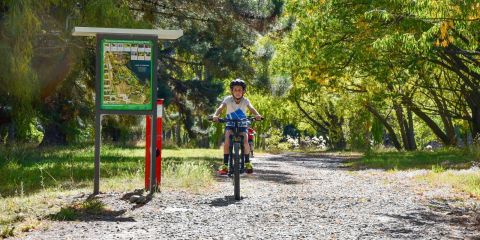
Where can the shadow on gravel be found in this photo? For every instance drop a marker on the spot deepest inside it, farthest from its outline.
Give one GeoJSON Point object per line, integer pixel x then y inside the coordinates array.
{"type": "Point", "coordinates": [319, 161]}
{"type": "Point", "coordinates": [441, 213]}
{"type": "Point", "coordinates": [223, 202]}
{"type": "Point", "coordinates": [79, 212]}
{"type": "Point", "coordinates": [274, 176]}
{"type": "Point", "coordinates": [266, 175]}
{"type": "Point", "coordinates": [406, 226]}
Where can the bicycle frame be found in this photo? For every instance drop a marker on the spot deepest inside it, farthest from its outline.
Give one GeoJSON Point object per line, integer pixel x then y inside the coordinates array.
{"type": "Point", "coordinates": [236, 138]}
{"type": "Point", "coordinates": [236, 156]}
{"type": "Point", "coordinates": [236, 152]}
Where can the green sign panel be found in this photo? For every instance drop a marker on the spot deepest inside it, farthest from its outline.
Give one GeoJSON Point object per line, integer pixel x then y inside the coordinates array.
{"type": "Point", "coordinates": [126, 74]}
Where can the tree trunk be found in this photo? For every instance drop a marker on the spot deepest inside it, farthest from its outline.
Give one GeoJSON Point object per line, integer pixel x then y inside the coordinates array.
{"type": "Point", "coordinates": [406, 127]}
{"type": "Point", "coordinates": [473, 101]}
{"type": "Point", "coordinates": [476, 122]}
{"type": "Point", "coordinates": [385, 123]}
{"type": "Point", "coordinates": [410, 131]}
{"type": "Point", "coordinates": [470, 79]}
{"type": "Point", "coordinates": [401, 124]}
{"type": "Point", "coordinates": [178, 138]}
{"type": "Point", "coordinates": [447, 121]}
{"type": "Point", "coordinates": [443, 112]}
{"type": "Point", "coordinates": [336, 131]}
{"type": "Point", "coordinates": [430, 123]}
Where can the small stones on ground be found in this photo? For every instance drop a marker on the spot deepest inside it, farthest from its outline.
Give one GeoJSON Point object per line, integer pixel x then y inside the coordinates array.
{"type": "Point", "coordinates": [134, 198]}
{"type": "Point", "coordinates": [281, 201]}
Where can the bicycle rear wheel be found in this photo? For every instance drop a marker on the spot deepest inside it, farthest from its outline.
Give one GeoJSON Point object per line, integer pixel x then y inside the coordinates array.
{"type": "Point", "coordinates": [236, 170]}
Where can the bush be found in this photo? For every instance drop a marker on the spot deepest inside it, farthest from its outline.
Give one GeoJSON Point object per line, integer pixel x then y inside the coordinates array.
{"type": "Point", "coordinates": [276, 142]}
{"type": "Point", "coordinates": [273, 141]}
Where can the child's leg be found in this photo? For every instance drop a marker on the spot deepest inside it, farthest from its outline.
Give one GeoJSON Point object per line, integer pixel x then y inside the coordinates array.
{"type": "Point", "coordinates": [246, 147]}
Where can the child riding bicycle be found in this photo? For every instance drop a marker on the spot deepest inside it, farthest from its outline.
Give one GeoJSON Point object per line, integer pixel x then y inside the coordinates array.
{"type": "Point", "coordinates": [236, 106]}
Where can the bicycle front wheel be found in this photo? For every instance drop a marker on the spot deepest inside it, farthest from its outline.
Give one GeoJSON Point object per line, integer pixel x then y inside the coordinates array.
{"type": "Point", "coordinates": [236, 170]}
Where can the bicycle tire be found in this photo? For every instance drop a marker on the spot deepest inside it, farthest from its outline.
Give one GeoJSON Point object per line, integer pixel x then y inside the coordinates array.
{"type": "Point", "coordinates": [236, 171]}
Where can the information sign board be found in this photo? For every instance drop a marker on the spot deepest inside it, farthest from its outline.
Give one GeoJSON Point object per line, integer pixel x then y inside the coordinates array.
{"type": "Point", "coordinates": [126, 74]}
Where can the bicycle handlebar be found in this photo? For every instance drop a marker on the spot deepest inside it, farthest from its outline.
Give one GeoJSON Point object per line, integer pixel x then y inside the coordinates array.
{"type": "Point", "coordinates": [224, 120]}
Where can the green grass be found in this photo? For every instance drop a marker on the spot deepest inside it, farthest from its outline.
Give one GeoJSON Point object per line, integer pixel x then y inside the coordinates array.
{"type": "Point", "coordinates": [467, 182]}
{"type": "Point", "coordinates": [34, 183]}
{"type": "Point", "coordinates": [444, 165]}
{"type": "Point", "coordinates": [76, 210]}
{"type": "Point", "coordinates": [437, 160]}
{"type": "Point", "coordinates": [6, 232]}
{"type": "Point", "coordinates": [30, 171]}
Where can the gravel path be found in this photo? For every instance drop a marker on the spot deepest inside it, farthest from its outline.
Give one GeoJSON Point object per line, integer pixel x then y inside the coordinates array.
{"type": "Point", "coordinates": [288, 197]}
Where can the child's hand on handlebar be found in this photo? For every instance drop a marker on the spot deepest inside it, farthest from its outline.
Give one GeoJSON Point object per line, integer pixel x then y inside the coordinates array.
{"type": "Point", "coordinates": [258, 117]}
{"type": "Point", "coordinates": [215, 118]}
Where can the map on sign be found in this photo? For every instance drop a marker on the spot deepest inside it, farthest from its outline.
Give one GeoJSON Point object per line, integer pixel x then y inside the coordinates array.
{"type": "Point", "coordinates": [126, 82]}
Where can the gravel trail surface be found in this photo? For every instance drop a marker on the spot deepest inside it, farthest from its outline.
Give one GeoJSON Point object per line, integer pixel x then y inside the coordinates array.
{"type": "Point", "coordinates": [291, 196]}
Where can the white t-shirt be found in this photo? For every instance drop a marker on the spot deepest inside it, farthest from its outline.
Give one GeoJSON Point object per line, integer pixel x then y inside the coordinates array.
{"type": "Point", "coordinates": [236, 111]}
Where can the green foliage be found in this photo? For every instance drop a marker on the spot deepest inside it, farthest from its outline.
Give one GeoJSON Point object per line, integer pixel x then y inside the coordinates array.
{"type": "Point", "coordinates": [111, 13]}
{"type": "Point", "coordinates": [275, 142]}
{"type": "Point", "coordinates": [18, 81]}
{"type": "Point", "coordinates": [123, 129]}
{"type": "Point", "coordinates": [215, 47]}
{"type": "Point", "coordinates": [359, 131]}
{"type": "Point", "coordinates": [438, 168]}
{"type": "Point", "coordinates": [377, 131]}
{"type": "Point", "coordinates": [382, 55]}
{"type": "Point", "coordinates": [323, 62]}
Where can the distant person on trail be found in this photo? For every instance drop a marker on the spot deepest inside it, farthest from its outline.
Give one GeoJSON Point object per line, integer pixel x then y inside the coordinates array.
{"type": "Point", "coordinates": [236, 106]}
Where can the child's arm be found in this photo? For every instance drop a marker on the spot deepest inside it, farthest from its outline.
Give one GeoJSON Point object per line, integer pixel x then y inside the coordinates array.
{"type": "Point", "coordinates": [254, 111]}
{"type": "Point", "coordinates": [218, 111]}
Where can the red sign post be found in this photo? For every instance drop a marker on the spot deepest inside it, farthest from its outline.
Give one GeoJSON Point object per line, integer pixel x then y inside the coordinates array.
{"type": "Point", "coordinates": [158, 165]}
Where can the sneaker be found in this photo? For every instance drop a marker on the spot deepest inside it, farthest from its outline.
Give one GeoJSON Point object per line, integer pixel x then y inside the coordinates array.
{"type": "Point", "coordinates": [248, 167]}
{"type": "Point", "coordinates": [223, 170]}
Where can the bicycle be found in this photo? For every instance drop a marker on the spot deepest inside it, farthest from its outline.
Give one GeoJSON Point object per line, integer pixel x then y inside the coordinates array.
{"type": "Point", "coordinates": [236, 161]}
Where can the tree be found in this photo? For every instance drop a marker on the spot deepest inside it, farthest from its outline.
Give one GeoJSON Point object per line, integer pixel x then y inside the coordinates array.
{"type": "Point", "coordinates": [380, 51]}
{"type": "Point", "coordinates": [217, 38]}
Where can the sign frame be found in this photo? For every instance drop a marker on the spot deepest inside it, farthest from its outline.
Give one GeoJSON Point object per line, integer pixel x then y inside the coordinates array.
{"type": "Point", "coordinates": [99, 111]}
{"type": "Point", "coordinates": [125, 34]}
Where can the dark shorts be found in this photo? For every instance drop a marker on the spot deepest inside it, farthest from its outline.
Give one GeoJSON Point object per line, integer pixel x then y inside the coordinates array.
{"type": "Point", "coordinates": [242, 129]}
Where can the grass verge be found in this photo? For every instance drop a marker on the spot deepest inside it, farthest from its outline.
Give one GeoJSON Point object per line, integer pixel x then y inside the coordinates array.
{"type": "Point", "coordinates": [444, 158]}
{"type": "Point", "coordinates": [448, 167]}
{"type": "Point", "coordinates": [463, 181]}
{"type": "Point", "coordinates": [38, 184]}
